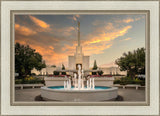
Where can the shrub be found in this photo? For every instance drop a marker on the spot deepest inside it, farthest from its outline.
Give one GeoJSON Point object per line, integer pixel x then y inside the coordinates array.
{"type": "Point", "coordinates": [29, 80]}
{"type": "Point", "coordinates": [18, 81]}
{"type": "Point", "coordinates": [55, 72]}
{"type": "Point", "coordinates": [123, 82]}
{"type": "Point", "coordinates": [94, 73]}
{"type": "Point", "coordinates": [129, 80]}
{"type": "Point", "coordinates": [117, 81]}
{"type": "Point", "coordinates": [63, 73]}
{"type": "Point", "coordinates": [142, 83]}
{"type": "Point", "coordinates": [100, 72]}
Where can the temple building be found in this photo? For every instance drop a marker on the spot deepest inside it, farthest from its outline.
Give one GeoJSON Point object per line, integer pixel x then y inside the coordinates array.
{"type": "Point", "coordinates": [78, 58]}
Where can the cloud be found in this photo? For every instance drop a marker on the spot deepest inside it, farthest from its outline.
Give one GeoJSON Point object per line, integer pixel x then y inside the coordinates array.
{"type": "Point", "coordinates": [98, 41]}
{"type": "Point", "coordinates": [24, 30]}
{"type": "Point", "coordinates": [105, 36]}
{"type": "Point", "coordinates": [51, 47]}
{"type": "Point", "coordinates": [57, 44]}
{"type": "Point", "coordinates": [96, 49]}
{"type": "Point", "coordinates": [97, 22]}
{"type": "Point", "coordinates": [39, 22]}
{"type": "Point", "coordinates": [128, 20]}
{"type": "Point", "coordinates": [139, 18]}
{"type": "Point", "coordinates": [48, 53]}
{"type": "Point", "coordinates": [65, 31]}
{"type": "Point", "coordinates": [127, 39]}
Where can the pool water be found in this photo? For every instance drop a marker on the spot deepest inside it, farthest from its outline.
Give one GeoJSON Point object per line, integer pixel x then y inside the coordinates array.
{"type": "Point", "coordinates": [62, 87]}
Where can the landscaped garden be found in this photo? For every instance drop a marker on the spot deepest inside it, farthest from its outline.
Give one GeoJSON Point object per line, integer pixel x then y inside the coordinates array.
{"type": "Point", "coordinates": [129, 80]}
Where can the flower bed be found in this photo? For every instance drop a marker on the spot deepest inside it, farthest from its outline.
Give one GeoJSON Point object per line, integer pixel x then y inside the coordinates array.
{"type": "Point", "coordinates": [29, 80]}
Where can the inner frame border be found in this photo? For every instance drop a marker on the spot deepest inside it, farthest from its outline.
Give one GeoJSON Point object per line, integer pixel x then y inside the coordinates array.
{"type": "Point", "coordinates": [86, 12]}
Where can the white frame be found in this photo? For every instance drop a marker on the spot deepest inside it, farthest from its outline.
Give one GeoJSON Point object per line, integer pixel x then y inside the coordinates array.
{"type": "Point", "coordinates": [152, 6]}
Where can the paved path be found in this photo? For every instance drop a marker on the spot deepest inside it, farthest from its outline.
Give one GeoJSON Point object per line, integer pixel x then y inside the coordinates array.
{"type": "Point", "coordinates": [129, 94]}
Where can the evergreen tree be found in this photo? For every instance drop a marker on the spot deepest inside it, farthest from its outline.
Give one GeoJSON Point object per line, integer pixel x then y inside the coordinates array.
{"type": "Point", "coordinates": [63, 68]}
{"type": "Point", "coordinates": [94, 67]}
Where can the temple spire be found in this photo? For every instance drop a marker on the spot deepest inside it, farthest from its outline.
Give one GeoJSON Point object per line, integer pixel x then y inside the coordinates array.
{"type": "Point", "coordinates": [78, 33]}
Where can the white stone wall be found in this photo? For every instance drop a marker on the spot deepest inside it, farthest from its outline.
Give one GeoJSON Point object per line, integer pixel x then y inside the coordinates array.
{"type": "Point", "coordinates": [71, 62]}
{"type": "Point", "coordinates": [85, 64]}
{"type": "Point", "coordinates": [48, 70]}
{"type": "Point", "coordinates": [35, 71]}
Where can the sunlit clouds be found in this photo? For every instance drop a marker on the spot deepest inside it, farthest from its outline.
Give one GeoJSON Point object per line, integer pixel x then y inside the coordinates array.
{"type": "Point", "coordinates": [55, 36]}
{"type": "Point", "coordinates": [129, 19]}
{"type": "Point", "coordinates": [127, 39]}
{"type": "Point", "coordinates": [24, 30]}
{"type": "Point", "coordinates": [39, 22]}
{"type": "Point", "coordinates": [110, 36]}
{"type": "Point", "coordinates": [66, 31]}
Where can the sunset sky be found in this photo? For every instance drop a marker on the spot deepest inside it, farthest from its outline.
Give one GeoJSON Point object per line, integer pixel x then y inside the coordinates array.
{"type": "Point", "coordinates": [104, 37]}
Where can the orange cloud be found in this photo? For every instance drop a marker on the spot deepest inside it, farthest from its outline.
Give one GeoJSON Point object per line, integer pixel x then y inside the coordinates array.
{"type": "Point", "coordinates": [128, 20]}
{"type": "Point", "coordinates": [51, 47]}
{"type": "Point", "coordinates": [66, 31]}
{"type": "Point", "coordinates": [48, 53]}
{"type": "Point", "coordinates": [24, 30]}
{"type": "Point", "coordinates": [39, 22]}
{"type": "Point", "coordinates": [95, 49]}
{"type": "Point", "coordinates": [127, 39]}
{"type": "Point", "coordinates": [21, 42]}
{"type": "Point", "coordinates": [109, 36]}
{"type": "Point", "coordinates": [96, 42]}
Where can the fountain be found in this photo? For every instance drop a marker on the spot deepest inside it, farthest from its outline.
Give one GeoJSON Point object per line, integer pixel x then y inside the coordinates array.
{"type": "Point", "coordinates": [79, 91]}
{"type": "Point", "coordinates": [79, 84]}
{"type": "Point", "coordinates": [78, 88]}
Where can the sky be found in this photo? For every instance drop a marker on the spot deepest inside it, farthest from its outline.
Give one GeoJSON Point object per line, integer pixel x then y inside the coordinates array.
{"type": "Point", "coordinates": [103, 37]}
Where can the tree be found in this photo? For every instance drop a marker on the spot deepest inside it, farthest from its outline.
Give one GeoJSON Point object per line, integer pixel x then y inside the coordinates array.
{"type": "Point", "coordinates": [63, 68]}
{"type": "Point", "coordinates": [132, 62]}
{"type": "Point", "coordinates": [26, 59]}
{"type": "Point", "coordinates": [94, 67]}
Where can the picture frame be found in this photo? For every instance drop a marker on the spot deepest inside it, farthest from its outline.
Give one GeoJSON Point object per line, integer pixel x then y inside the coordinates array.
{"type": "Point", "coordinates": [10, 107]}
